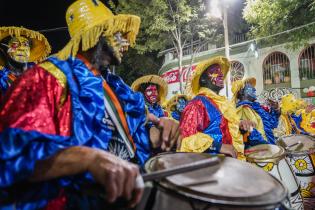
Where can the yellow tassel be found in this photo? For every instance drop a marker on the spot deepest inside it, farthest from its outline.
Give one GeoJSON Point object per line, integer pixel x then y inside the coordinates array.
{"type": "Point", "coordinates": [128, 25]}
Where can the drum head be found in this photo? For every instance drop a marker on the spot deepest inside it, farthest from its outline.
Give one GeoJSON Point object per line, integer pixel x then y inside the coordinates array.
{"type": "Point", "coordinates": [232, 182]}
{"type": "Point", "coordinates": [265, 152]}
{"type": "Point", "coordinates": [297, 143]}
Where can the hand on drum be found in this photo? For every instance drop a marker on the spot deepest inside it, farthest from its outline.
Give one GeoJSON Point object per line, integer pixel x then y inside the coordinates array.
{"type": "Point", "coordinates": [247, 125]}
{"type": "Point", "coordinates": [165, 133]}
{"type": "Point", "coordinates": [117, 176]}
{"type": "Point", "coordinates": [229, 150]}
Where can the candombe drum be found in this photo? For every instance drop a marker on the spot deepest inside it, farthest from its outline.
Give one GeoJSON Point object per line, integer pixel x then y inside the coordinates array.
{"type": "Point", "coordinates": [232, 184]}
{"type": "Point", "coordinates": [272, 159]}
{"type": "Point", "coordinates": [300, 151]}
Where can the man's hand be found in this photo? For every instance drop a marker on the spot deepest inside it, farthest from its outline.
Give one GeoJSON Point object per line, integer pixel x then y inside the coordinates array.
{"type": "Point", "coordinates": [117, 176]}
{"type": "Point", "coordinates": [247, 125]}
{"type": "Point", "coordinates": [229, 150]}
{"type": "Point", "coordinates": [165, 133]}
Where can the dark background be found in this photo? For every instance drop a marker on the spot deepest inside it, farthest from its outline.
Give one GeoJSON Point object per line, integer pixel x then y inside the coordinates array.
{"type": "Point", "coordinates": [39, 15]}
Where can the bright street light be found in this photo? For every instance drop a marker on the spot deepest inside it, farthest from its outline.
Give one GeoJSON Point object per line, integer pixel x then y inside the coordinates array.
{"type": "Point", "coordinates": [215, 9]}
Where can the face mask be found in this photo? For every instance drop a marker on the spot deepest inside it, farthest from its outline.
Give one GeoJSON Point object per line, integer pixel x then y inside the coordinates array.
{"type": "Point", "coordinates": [215, 75]}
{"type": "Point", "coordinates": [250, 92]}
{"type": "Point", "coordinates": [119, 45]}
{"type": "Point", "coordinates": [181, 104]}
{"type": "Point", "coordinates": [151, 94]}
{"type": "Point", "coordinates": [19, 49]}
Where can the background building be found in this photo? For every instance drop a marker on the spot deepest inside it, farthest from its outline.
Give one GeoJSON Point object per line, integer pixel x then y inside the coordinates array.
{"type": "Point", "coordinates": [274, 66]}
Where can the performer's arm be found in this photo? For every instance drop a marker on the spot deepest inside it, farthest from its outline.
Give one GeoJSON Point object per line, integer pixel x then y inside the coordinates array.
{"type": "Point", "coordinates": [114, 174]}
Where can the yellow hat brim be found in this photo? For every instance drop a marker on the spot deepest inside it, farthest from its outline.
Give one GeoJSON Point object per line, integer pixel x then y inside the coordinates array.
{"type": "Point", "coordinates": [40, 47]}
{"type": "Point", "coordinates": [128, 25]}
{"type": "Point", "coordinates": [154, 79]}
{"type": "Point", "coordinates": [201, 67]}
{"type": "Point", "coordinates": [173, 101]}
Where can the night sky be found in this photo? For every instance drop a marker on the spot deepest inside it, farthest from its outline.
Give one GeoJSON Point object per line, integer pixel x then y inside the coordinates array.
{"type": "Point", "coordinates": [47, 14]}
{"type": "Point", "coordinates": [38, 15]}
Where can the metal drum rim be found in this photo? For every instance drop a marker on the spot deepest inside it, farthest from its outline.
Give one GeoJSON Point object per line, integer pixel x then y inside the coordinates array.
{"type": "Point", "coordinates": [217, 201]}
{"type": "Point", "coordinates": [296, 153]}
{"type": "Point", "coordinates": [275, 159]}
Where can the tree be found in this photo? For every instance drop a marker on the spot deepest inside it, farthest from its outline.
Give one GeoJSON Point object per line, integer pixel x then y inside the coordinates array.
{"type": "Point", "coordinates": [171, 23]}
{"type": "Point", "coordinates": [135, 65]}
{"type": "Point", "coordinates": [269, 17]}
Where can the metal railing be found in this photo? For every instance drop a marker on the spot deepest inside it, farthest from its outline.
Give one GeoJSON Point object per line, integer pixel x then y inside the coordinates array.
{"type": "Point", "coordinates": [307, 63]}
{"type": "Point", "coordinates": [276, 69]}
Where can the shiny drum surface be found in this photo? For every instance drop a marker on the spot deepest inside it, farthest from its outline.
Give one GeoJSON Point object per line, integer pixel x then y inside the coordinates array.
{"type": "Point", "coordinates": [232, 184]}
{"type": "Point", "coordinates": [300, 153]}
{"type": "Point", "coordinates": [272, 159]}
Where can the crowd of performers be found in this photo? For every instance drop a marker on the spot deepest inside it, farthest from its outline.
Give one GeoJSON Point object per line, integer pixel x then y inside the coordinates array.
{"type": "Point", "coordinates": [66, 120]}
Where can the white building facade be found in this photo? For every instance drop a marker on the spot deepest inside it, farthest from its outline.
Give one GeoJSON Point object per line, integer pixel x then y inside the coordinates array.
{"type": "Point", "coordinates": [275, 66]}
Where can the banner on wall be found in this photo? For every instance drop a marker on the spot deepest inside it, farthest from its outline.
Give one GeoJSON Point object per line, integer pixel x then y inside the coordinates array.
{"type": "Point", "coordinates": [172, 76]}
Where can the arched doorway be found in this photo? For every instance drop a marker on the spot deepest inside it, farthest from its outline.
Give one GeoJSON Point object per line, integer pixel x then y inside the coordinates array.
{"type": "Point", "coordinates": [276, 70]}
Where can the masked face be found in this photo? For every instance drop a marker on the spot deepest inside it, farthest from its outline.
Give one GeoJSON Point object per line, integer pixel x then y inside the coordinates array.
{"type": "Point", "coordinates": [215, 75]}
{"type": "Point", "coordinates": [151, 94]}
{"type": "Point", "coordinates": [181, 104]}
{"type": "Point", "coordinates": [250, 92]}
{"type": "Point", "coordinates": [119, 45]}
{"type": "Point", "coordinates": [19, 49]}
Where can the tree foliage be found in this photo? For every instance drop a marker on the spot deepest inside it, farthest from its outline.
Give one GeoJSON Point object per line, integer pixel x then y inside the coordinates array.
{"type": "Point", "coordinates": [269, 17]}
{"type": "Point", "coordinates": [135, 65]}
{"type": "Point", "coordinates": [171, 24]}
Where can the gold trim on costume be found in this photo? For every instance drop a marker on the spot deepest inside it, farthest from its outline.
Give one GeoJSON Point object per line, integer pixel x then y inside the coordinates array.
{"type": "Point", "coordinates": [198, 142]}
{"type": "Point", "coordinates": [60, 76]}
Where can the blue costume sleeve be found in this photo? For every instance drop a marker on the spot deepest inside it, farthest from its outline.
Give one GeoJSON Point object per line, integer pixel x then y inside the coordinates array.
{"type": "Point", "coordinates": [19, 151]}
{"type": "Point", "coordinates": [298, 119]}
{"type": "Point", "coordinates": [157, 111]}
{"type": "Point", "coordinates": [135, 114]}
{"type": "Point", "coordinates": [175, 115]}
{"type": "Point", "coordinates": [274, 118]}
{"type": "Point", "coordinates": [214, 129]}
{"type": "Point", "coordinates": [255, 138]}
{"type": "Point", "coordinates": [4, 79]}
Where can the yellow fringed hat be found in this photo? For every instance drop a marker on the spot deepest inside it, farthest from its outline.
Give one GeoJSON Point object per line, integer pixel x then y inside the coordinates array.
{"type": "Point", "coordinates": [40, 47]}
{"type": "Point", "coordinates": [154, 79]}
{"type": "Point", "coordinates": [173, 101]}
{"type": "Point", "coordinates": [194, 87]}
{"type": "Point", "coordinates": [87, 20]}
{"type": "Point", "coordinates": [240, 84]}
{"type": "Point", "coordinates": [288, 104]}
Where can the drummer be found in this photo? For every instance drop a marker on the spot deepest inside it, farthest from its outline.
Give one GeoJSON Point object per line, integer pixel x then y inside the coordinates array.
{"type": "Point", "coordinates": [290, 119]}
{"type": "Point", "coordinates": [244, 96]}
{"type": "Point", "coordinates": [307, 114]}
{"type": "Point", "coordinates": [209, 122]}
{"type": "Point", "coordinates": [154, 89]}
{"type": "Point", "coordinates": [176, 105]}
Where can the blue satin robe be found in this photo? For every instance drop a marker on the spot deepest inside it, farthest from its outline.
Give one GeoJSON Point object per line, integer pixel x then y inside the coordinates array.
{"type": "Point", "coordinates": [20, 150]}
